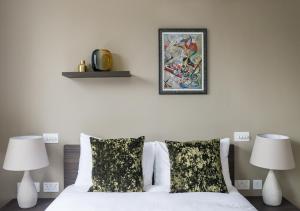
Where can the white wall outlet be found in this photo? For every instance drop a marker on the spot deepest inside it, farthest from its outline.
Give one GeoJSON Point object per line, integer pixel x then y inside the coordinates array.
{"type": "Point", "coordinates": [51, 187]}
{"type": "Point", "coordinates": [242, 184]}
{"type": "Point", "coordinates": [50, 138]}
{"type": "Point", "coordinates": [257, 184]}
{"type": "Point", "coordinates": [37, 186]}
{"type": "Point", "coordinates": [241, 136]}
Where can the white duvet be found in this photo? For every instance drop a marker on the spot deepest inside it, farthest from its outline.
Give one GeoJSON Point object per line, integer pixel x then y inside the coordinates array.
{"type": "Point", "coordinates": [77, 199]}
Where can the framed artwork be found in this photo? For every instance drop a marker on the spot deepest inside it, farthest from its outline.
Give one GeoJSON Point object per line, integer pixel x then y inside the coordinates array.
{"type": "Point", "coordinates": [182, 61]}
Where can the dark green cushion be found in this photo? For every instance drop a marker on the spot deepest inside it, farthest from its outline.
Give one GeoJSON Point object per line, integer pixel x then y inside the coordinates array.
{"type": "Point", "coordinates": [196, 166]}
{"type": "Point", "coordinates": [117, 165]}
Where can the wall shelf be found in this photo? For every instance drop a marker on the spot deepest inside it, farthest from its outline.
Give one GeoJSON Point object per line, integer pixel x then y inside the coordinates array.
{"type": "Point", "coordinates": [103, 74]}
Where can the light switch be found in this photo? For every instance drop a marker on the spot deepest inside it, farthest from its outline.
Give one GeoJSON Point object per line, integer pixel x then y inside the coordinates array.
{"type": "Point", "coordinates": [50, 138]}
{"type": "Point", "coordinates": [241, 136]}
{"type": "Point", "coordinates": [257, 184]}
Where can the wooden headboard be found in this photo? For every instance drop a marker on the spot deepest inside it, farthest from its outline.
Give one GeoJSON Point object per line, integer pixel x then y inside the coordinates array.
{"type": "Point", "coordinates": [71, 161]}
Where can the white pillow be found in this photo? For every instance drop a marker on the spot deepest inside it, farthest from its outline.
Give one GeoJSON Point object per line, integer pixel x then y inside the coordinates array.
{"type": "Point", "coordinates": [148, 164]}
{"type": "Point", "coordinates": [84, 177]}
{"type": "Point", "coordinates": [162, 171]}
{"type": "Point", "coordinates": [224, 148]}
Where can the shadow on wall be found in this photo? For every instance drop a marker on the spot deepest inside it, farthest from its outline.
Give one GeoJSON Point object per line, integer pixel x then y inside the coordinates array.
{"type": "Point", "coordinates": [243, 152]}
{"type": "Point", "coordinates": [118, 62]}
{"type": "Point", "coordinates": [287, 178]}
{"type": "Point", "coordinates": [126, 82]}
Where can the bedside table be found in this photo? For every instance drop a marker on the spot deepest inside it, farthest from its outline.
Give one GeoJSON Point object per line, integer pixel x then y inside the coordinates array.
{"type": "Point", "coordinates": [258, 203]}
{"type": "Point", "coordinates": [41, 205]}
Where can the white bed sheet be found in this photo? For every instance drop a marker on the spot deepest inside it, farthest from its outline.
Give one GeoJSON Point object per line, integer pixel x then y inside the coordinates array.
{"type": "Point", "coordinates": [76, 198]}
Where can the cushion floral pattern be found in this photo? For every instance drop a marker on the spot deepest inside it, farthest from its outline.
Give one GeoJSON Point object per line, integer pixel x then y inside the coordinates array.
{"type": "Point", "coordinates": [117, 164]}
{"type": "Point", "coordinates": [196, 166]}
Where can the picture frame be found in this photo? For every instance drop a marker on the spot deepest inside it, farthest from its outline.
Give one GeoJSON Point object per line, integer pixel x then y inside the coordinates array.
{"type": "Point", "coordinates": [182, 61]}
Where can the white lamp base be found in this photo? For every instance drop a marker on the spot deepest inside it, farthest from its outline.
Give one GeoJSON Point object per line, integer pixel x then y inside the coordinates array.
{"type": "Point", "coordinates": [271, 192]}
{"type": "Point", "coordinates": [27, 195]}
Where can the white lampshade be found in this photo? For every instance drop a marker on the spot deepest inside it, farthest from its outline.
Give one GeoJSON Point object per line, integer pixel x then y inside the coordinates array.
{"type": "Point", "coordinates": [272, 151]}
{"type": "Point", "coordinates": [25, 153]}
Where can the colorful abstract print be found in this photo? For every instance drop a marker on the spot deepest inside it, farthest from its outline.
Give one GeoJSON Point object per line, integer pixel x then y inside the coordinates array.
{"type": "Point", "coordinates": [182, 61]}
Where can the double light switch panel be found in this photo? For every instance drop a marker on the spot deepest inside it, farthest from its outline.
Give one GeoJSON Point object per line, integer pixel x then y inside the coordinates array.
{"type": "Point", "coordinates": [50, 138]}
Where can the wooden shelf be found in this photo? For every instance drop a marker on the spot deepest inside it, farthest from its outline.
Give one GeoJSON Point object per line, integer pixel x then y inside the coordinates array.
{"type": "Point", "coordinates": [103, 74]}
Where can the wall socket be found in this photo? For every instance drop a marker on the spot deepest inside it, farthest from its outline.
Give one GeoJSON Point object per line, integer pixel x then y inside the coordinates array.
{"type": "Point", "coordinates": [257, 184]}
{"type": "Point", "coordinates": [242, 184]}
{"type": "Point", "coordinates": [51, 187]}
{"type": "Point", "coordinates": [37, 186]}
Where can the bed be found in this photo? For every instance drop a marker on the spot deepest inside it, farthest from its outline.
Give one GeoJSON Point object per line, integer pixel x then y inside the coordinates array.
{"type": "Point", "coordinates": [78, 199]}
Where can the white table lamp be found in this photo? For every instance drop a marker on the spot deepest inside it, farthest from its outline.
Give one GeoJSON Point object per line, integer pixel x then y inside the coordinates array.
{"type": "Point", "coordinates": [26, 153]}
{"type": "Point", "coordinates": [273, 152]}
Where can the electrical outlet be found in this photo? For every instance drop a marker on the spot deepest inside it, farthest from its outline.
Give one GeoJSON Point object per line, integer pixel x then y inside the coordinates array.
{"type": "Point", "coordinates": [50, 138]}
{"type": "Point", "coordinates": [257, 184]}
{"type": "Point", "coordinates": [51, 187]}
{"type": "Point", "coordinates": [242, 184]}
{"type": "Point", "coordinates": [241, 136]}
{"type": "Point", "coordinates": [37, 186]}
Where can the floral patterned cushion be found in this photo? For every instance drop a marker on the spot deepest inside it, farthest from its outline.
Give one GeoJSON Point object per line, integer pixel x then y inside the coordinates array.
{"type": "Point", "coordinates": [196, 166]}
{"type": "Point", "coordinates": [117, 164]}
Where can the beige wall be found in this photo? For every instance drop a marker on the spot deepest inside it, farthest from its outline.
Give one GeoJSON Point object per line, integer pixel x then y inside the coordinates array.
{"type": "Point", "coordinates": [254, 73]}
